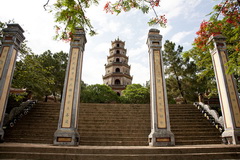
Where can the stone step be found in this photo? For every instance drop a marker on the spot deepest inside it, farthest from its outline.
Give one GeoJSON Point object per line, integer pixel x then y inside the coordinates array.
{"type": "Point", "coordinates": [89, 133]}
{"type": "Point", "coordinates": [82, 134]}
{"type": "Point", "coordinates": [99, 124]}
{"type": "Point", "coordinates": [49, 152]}
{"type": "Point", "coordinates": [32, 140]}
{"type": "Point", "coordinates": [122, 126]}
{"type": "Point", "coordinates": [197, 142]}
{"type": "Point", "coordinates": [11, 147]}
{"type": "Point", "coordinates": [108, 136]}
{"type": "Point", "coordinates": [114, 138]}
{"type": "Point", "coordinates": [113, 143]}
{"type": "Point", "coordinates": [197, 137]}
{"type": "Point", "coordinates": [184, 121]}
{"type": "Point", "coordinates": [200, 126]}
{"type": "Point", "coordinates": [113, 131]}
{"type": "Point", "coordinates": [188, 129]}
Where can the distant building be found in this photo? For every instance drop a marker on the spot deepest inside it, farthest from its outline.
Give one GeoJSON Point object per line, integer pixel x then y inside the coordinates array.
{"type": "Point", "coordinates": [117, 70]}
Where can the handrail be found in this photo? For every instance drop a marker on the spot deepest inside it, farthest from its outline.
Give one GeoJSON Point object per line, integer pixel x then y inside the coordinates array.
{"type": "Point", "coordinates": [17, 113]}
{"type": "Point", "coordinates": [211, 115]}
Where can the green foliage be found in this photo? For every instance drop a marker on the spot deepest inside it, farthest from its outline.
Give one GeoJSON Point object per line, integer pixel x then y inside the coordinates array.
{"type": "Point", "coordinates": [204, 70]}
{"type": "Point", "coordinates": [98, 93]}
{"type": "Point", "coordinates": [182, 74]}
{"type": "Point", "coordinates": [42, 74]}
{"type": "Point", "coordinates": [14, 100]}
{"type": "Point", "coordinates": [18, 97]}
{"type": "Point", "coordinates": [174, 66]}
{"type": "Point", "coordinates": [72, 13]}
{"type": "Point", "coordinates": [30, 74]}
{"type": "Point", "coordinates": [136, 93]}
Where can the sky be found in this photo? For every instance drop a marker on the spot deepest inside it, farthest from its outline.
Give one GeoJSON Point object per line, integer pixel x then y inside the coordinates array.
{"type": "Point", "coordinates": [184, 18]}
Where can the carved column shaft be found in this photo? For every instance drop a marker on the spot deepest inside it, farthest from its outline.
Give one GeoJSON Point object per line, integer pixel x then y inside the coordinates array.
{"type": "Point", "coordinates": [67, 133]}
{"type": "Point", "coordinates": [12, 39]}
{"type": "Point", "coordinates": [227, 90]}
{"type": "Point", "coordinates": [161, 134]}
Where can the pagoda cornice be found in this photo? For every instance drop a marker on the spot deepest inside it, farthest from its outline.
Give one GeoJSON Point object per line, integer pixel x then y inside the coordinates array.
{"type": "Point", "coordinates": [117, 48]}
{"type": "Point", "coordinates": [118, 55]}
{"type": "Point", "coordinates": [117, 64]}
{"type": "Point", "coordinates": [117, 74]}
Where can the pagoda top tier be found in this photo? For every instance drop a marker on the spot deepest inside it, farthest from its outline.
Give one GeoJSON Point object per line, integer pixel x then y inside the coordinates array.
{"type": "Point", "coordinates": [117, 43]}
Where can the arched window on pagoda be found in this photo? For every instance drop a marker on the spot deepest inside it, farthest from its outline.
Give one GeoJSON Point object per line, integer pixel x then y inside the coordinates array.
{"type": "Point", "coordinates": [117, 52]}
{"type": "Point", "coordinates": [117, 60]}
{"type": "Point", "coordinates": [117, 70]}
{"type": "Point", "coordinates": [117, 81]}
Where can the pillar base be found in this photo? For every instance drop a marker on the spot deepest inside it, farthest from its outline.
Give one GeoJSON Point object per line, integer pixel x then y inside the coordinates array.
{"type": "Point", "coordinates": [231, 136]}
{"type": "Point", "coordinates": [161, 138]}
{"type": "Point", "coordinates": [66, 137]}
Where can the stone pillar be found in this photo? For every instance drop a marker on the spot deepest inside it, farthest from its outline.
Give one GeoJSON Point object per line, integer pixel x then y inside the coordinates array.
{"type": "Point", "coordinates": [12, 39]}
{"type": "Point", "coordinates": [227, 90]}
{"type": "Point", "coordinates": [161, 134]}
{"type": "Point", "coordinates": [67, 132]}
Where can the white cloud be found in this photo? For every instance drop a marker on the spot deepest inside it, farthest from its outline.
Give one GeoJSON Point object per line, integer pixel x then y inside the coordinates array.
{"type": "Point", "coordinates": [141, 73]}
{"type": "Point", "coordinates": [186, 45]}
{"type": "Point", "coordinates": [135, 52]}
{"type": "Point", "coordinates": [165, 31]}
{"type": "Point", "coordinates": [102, 47]}
{"type": "Point", "coordinates": [173, 8]}
{"type": "Point", "coordinates": [93, 70]}
{"type": "Point", "coordinates": [177, 38]}
{"type": "Point", "coordinates": [127, 33]}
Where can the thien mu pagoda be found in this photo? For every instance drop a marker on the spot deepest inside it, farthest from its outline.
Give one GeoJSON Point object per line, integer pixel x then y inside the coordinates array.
{"type": "Point", "coordinates": [117, 70]}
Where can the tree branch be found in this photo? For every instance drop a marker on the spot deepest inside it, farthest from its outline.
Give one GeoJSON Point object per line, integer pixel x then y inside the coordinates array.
{"type": "Point", "coordinates": [221, 9]}
{"type": "Point", "coordinates": [44, 6]}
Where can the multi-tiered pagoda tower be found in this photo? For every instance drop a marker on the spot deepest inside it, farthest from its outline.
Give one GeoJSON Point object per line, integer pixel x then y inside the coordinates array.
{"type": "Point", "coordinates": [117, 74]}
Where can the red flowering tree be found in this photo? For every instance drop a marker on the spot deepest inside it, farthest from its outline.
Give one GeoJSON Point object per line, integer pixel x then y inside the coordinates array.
{"type": "Point", "coordinates": [143, 5]}
{"type": "Point", "coordinates": [71, 13]}
{"type": "Point", "coordinates": [225, 20]}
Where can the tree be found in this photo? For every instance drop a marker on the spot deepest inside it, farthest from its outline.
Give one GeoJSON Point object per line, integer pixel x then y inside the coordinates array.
{"type": "Point", "coordinates": [98, 93]}
{"type": "Point", "coordinates": [136, 93]}
{"type": "Point", "coordinates": [30, 74]}
{"type": "Point", "coordinates": [182, 75]}
{"type": "Point", "coordinates": [174, 65]}
{"type": "Point", "coordinates": [224, 20]}
{"type": "Point", "coordinates": [55, 65]}
{"type": "Point", "coordinates": [59, 70]}
{"type": "Point", "coordinates": [42, 74]}
{"type": "Point", "coordinates": [71, 13]}
{"type": "Point", "coordinates": [204, 69]}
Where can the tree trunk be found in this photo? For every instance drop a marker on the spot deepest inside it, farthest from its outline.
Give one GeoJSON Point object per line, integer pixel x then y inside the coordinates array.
{"type": "Point", "coordinates": [61, 96]}
{"type": "Point", "coordinates": [180, 87]}
{"type": "Point", "coordinates": [46, 98]}
{"type": "Point", "coordinates": [54, 96]}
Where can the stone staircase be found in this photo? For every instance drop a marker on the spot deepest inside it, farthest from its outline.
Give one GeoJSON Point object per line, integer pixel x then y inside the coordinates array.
{"type": "Point", "coordinates": [113, 125]}
{"type": "Point", "coordinates": [115, 132]}
{"type": "Point", "coordinates": [190, 127]}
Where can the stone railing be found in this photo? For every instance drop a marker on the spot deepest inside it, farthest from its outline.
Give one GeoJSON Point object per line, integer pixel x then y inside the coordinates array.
{"type": "Point", "coordinates": [17, 113]}
{"type": "Point", "coordinates": [211, 115]}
